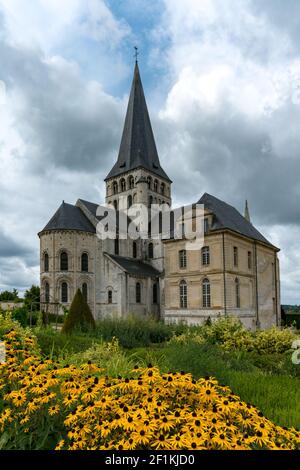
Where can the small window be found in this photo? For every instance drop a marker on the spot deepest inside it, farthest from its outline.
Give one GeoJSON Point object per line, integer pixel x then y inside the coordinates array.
{"type": "Point", "coordinates": [46, 262]}
{"type": "Point", "coordinates": [150, 251]}
{"type": "Point", "coordinates": [237, 294]}
{"type": "Point", "coordinates": [138, 293]}
{"type": "Point", "coordinates": [154, 293]}
{"type": "Point", "coordinates": [155, 185]}
{"type": "Point", "coordinates": [249, 260]}
{"type": "Point", "coordinates": [64, 292]}
{"type": "Point", "coordinates": [84, 262]}
{"type": "Point", "coordinates": [206, 297]}
{"type": "Point", "coordinates": [64, 261]}
{"type": "Point", "coordinates": [47, 293]}
{"type": "Point", "coordinates": [85, 291]}
{"type": "Point", "coordinates": [117, 248]}
{"type": "Point", "coordinates": [235, 256]}
{"type": "Point", "coordinates": [134, 250]}
{"type": "Point", "coordinates": [206, 225]}
{"type": "Point", "coordinates": [183, 294]}
{"type": "Point", "coordinates": [129, 201]}
{"type": "Point", "coordinates": [109, 297]}
{"type": "Point", "coordinates": [182, 259]}
{"type": "Point", "coordinates": [205, 256]}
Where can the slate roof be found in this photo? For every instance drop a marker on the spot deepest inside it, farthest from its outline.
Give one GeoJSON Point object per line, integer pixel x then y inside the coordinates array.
{"type": "Point", "coordinates": [138, 148]}
{"type": "Point", "coordinates": [69, 217]}
{"type": "Point", "coordinates": [121, 216]}
{"type": "Point", "coordinates": [134, 267]}
{"type": "Point", "coordinates": [227, 217]}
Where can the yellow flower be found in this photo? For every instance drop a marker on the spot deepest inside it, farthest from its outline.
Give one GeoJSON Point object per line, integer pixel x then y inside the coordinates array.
{"type": "Point", "coordinates": [53, 410]}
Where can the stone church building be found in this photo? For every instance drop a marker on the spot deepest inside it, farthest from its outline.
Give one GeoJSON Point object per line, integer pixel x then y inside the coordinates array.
{"type": "Point", "coordinates": [235, 271]}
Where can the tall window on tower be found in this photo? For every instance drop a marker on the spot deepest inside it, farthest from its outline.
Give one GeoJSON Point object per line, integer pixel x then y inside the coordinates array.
{"type": "Point", "coordinates": [123, 184]}
{"type": "Point", "coordinates": [154, 293]}
{"type": "Point", "coordinates": [150, 251]}
{"type": "Point", "coordinates": [131, 182]}
{"type": "Point", "coordinates": [115, 187]}
{"type": "Point", "coordinates": [46, 262]}
{"type": "Point", "coordinates": [138, 293]}
{"type": "Point", "coordinates": [84, 262]}
{"type": "Point", "coordinates": [85, 291]}
{"type": "Point", "coordinates": [64, 261]}
{"type": "Point", "coordinates": [237, 293]}
{"type": "Point", "coordinates": [64, 292]}
{"type": "Point", "coordinates": [183, 294]}
{"type": "Point", "coordinates": [117, 248]}
{"type": "Point", "coordinates": [134, 250]}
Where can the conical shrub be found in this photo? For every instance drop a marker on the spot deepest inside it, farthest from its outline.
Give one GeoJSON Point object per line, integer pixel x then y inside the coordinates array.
{"type": "Point", "coordinates": [80, 316]}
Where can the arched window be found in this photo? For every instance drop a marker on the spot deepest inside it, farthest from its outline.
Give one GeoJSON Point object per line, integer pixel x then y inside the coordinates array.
{"type": "Point", "coordinates": [115, 187]}
{"type": "Point", "coordinates": [123, 184]}
{"type": "Point", "coordinates": [150, 201]}
{"type": "Point", "coordinates": [183, 294]}
{"type": "Point", "coordinates": [64, 292]}
{"type": "Point", "coordinates": [85, 291]}
{"type": "Point", "coordinates": [46, 262]}
{"type": "Point", "coordinates": [154, 293]}
{"type": "Point", "coordinates": [134, 250]}
{"type": "Point", "coordinates": [205, 256]}
{"type": "Point", "coordinates": [162, 188]}
{"type": "Point", "coordinates": [182, 259]}
{"type": "Point", "coordinates": [237, 293]}
{"type": "Point", "coordinates": [47, 292]}
{"type": "Point", "coordinates": [155, 185]}
{"type": "Point", "coordinates": [150, 251]}
{"type": "Point", "coordinates": [129, 201]}
{"type": "Point", "coordinates": [149, 181]}
{"type": "Point", "coordinates": [131, 182]}
{"type": "Point", "coordinates": [138, 293]}
{"type": "Point", "coordinates": [64, 261]}
{"type": "Point", "coordinates": [117, 249]}
{"type": "Point", "coordinates": [206, 297]}
{"type": "Point", "coordinates": [249, 260]}
{"type": "Point", "coordinates": [116, 205]}
{"type": "Point", "coordinates": [84, 262]}
{"type": "Point", "coordinates": [109, 297]}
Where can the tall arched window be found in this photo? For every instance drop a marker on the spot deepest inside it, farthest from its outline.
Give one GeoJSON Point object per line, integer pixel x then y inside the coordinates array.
{"type": "Point", "coordinates": [149, 181]}
{"type": "Point", "coordinates": [123, 184]}
{"type": "Point", "coordinates": [129, 201]}
{"type": "Point", "coordinates": [134, 250]}
{"type": "Point", "coordinates": [138, 293]}
{"type": "Point", "coordinates": [64, 292]}
{"type": "Point", "coordinates": [150, 251]}
{"type": "Point", "coordinates": [131, 182]}
{"type": "Point", "coordinates": [154, 293]}
{"type": "Point", "coordinates": [183, 294]}
{"type": "Point", "coordinates": [155, 185]}
{"type": "Point", "coordinates": [84, 262]}
{"type": "Point", "coordinates": [64, 261]}
{"type": "Point", "coordinates": [205, 256]}
{"type": "Point", "coordinates": [115, 187]}
{"type": "Point", "coordinates": [150, 201]}
{"type": "Point", "coordinates": [85, 291]}
{"type": "Point", "coordinates": [162, 188]}
{"type": "Point", "coordinates": [237, 294]}
{"type": "Point", "coordinates": [182, 259]}
{"type": "Point", "coordinates": [47, 292]}
{"type": "Point", "coordinates": [109, 297]}
{"type": "Point", "coordinates": [206, 294]}
{"type": "Point", "coordinates": [46, 262]}
{"type": "Point", "coordinates": [116, 205]}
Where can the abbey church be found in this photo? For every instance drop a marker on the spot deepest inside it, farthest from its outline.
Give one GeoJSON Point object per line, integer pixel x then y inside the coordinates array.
{"type": "Point", "coordinates": [234, 272]}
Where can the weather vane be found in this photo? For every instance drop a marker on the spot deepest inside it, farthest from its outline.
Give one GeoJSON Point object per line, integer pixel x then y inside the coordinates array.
{"type": "Point", "coordinates": [136, 54]}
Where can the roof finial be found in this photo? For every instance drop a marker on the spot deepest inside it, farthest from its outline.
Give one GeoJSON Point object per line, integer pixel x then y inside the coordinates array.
{"type": "Point", "coordinates": [247, 213]}
{"type": "Point", "coordinates": [136, 54]}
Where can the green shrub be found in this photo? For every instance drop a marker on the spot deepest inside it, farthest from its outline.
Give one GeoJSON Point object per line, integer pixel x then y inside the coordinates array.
{"type": "Point", "coordinates": [80, 316]}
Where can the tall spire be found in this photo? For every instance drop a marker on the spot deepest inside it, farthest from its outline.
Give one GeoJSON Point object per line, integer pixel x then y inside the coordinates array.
{"type": "Point", "coordinates": [247, 213]}
{"type": "Point", "coordinates": [138, 148]}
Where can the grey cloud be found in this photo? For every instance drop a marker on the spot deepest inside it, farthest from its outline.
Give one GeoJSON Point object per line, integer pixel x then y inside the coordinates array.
{"type": "Point", "coordinates": [10, 248]}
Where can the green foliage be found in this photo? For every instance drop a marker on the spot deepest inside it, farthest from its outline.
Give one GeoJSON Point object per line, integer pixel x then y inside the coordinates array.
{"type": "Point", "coordinates": [10, 296]}
{"type": "Point", "coordinates": [20, 315]}
{"type": "Point", "coordinates": [32, 298]}
{"type": "Point", "coordinates": [79, 317]}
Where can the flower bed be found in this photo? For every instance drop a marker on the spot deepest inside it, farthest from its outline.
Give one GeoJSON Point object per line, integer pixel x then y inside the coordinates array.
{"type": "Point", "coordinates": [47, 405]}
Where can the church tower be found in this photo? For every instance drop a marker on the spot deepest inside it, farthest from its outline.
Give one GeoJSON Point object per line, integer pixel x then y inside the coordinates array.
{"type": "Point", "coordinates": [137, 177]}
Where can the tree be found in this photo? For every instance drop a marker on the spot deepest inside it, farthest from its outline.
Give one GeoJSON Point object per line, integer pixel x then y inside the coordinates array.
{"type": "Point", "coordinates": [79, 316]}
{"type": "Point", "coordinates": [32, 298]}
{"type": "Point", "coordinates": [9, 296]}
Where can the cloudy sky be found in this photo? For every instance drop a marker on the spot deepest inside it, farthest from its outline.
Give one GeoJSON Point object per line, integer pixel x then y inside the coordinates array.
{"type": "Point", "coordinates": [222, 79]}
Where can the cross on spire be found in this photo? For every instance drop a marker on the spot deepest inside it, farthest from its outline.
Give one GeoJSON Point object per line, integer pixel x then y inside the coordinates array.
{"type": "Point", "coordinates": [136, 53]}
